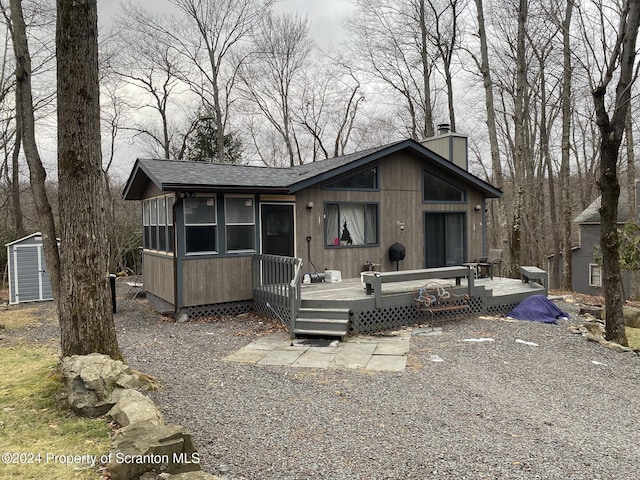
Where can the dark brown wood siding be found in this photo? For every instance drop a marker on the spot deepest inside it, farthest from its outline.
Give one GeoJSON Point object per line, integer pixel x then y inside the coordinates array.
{"type": "Point", "coordinates": [159, 277]}
{"type": "Point", "coordinates": [208, 281]}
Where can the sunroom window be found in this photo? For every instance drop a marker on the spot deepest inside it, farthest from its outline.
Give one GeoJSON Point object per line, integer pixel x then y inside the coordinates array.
{"type": "Point", "coordinates": [153, 222]}
{"type": "Point", "coordinates": [351, 224]}
{"type": "Point", "coordinates": [157, 224]}
{"type": "Point", "coordinates": [200, 225]}
{"type": "Point", "coordinates": [146, 227]}
{"type": "Point", "coordinates": [240, 223]}
{"type": "Point", "coordinates": [162, 224]}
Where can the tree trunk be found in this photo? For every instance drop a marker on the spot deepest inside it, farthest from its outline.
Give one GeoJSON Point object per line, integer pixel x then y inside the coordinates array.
{"type": "Point", "coordinates": [519, 131]}
{"type": "Point", "coordinates": [632, 197]}
{"type": "Point", "coordinates": [611, 132]}
{"type": "Point", "coordinates": [16, 204]}
{"type": "Point", "coordinates": [427, 130]}
{"type": "Point", "coordinates": [86, 318]}
{"type": "Point", "coordinates": [37, 173]}
{"type": "Point", "coordinates": [496, 163]}
{"type": "Point", "coordinates": [565, 173]}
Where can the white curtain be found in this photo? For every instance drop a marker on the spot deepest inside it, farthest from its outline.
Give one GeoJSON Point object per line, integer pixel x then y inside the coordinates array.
{"type": "Point", "coordinates": [352, 218]}
{"type": "Point", "coordinates": [332, 235]}
{"type": "Point", "coordinates": [347, 223]}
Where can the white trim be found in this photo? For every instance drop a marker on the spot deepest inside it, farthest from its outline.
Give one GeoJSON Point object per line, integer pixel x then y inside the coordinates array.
{"type": "Point", "coordinates": [40, 271]}
{"type": "Point", "coordinates": [593, 266]}
{"type": "Point", "coordinates": [253, 224]}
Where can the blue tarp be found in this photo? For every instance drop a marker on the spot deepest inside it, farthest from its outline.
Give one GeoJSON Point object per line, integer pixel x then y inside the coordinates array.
{"type": "Point", "coordinates": [537, 308]}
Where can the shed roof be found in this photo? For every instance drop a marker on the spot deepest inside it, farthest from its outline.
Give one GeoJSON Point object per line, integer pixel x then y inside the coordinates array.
{"type": "Point", "coordinates": [24, 239]}
{"type": "Point", "coordinates": [174, 176]}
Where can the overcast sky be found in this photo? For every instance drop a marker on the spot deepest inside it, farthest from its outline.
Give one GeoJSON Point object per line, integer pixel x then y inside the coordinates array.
{"type": "Point", "coordinates": [326, 15]}
{"type": "Point", "coordinates": [326, 18]}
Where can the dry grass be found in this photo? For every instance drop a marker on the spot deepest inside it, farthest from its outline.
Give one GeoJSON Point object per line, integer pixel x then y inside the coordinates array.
{"type": "Point", "coordinates": [633, 337]}
{"type": "Point", "coordinates": [15, 317]}
{"type": "Point", "coordinates": [12, 319]}
{"type": "Point", "coordinates": [36, 424]}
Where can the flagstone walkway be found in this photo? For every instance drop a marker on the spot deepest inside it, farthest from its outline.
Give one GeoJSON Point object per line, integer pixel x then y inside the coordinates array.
{"type": "Point", "coordinates": [382, 353]}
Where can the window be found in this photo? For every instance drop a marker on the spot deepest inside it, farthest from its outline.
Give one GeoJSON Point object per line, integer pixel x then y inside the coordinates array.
{"type": "Point", "coordinates": [146, 228]}
{"type": "Point", "coordinates": [595, 275]}
{"type": "Point", "coordinates": [362, 180]}
{"type": "Point", "coordinates": [157, 224]}
{"type": "Point", "coordinates": [200, 225]}
{"type": "Point", "coordinates": [351, 224]}
{"type": "Point", "coordinates": [438, 190]}
{"type": "Point", "coordinates": [170, 230]}
{"type": "Point", "coordinates": [240, 223]}
{"type": "Point", "coordinates": [162, 224]}
{"type": "Point", "coordinates": [153, 222]}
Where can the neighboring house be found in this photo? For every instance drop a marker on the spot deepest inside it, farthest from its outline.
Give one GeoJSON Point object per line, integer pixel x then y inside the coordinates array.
{"type": "Point", "coordinates": [587, 271]}
{"type": "Point", "coordinates": [204, 222]}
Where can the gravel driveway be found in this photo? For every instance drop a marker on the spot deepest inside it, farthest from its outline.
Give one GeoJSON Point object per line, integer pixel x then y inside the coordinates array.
{"type": "Point", "coordinates": [566, 409]}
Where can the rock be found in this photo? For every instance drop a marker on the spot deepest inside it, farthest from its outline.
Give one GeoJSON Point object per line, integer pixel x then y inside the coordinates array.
{"type": "Point", "coordinates": [158, 448]}
{"type": "Point", "coordinates": [594, 328]}
{"type": "Point", "coordinates": [133, 407]}
{"type": "Point", "coordinates": [616, 347]}
{"type": "Point", "coordinates": [94, 382]}
{"type": "Point", "coordinates": [631, 317]}
{"type": "Point", "coordinates": [596, 311]}
{"type": "Point", "coordinates": [188, 476]}
{"type": "Point", "coordinates": [149, 476]}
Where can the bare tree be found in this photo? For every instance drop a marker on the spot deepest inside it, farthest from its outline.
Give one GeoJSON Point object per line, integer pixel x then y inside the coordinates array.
{"type": "Point", "coordinates": [212, 31]}
{"type": "Point", "coordinates": [393, 44]}
{"type": "Point", "coordinates": [281, 53]}
{"type": "Point", "coordinates": [620, 55]}
{"type": "Point", "coordinates": [445, 37]}
{"type": "Point", "coordinates": [487, 81]}
{"type": "Point", "coordinates": [565, 171]}
{"type": "Point", "coordinates": [26, 121]}
{"type": "Point", "coordinates": [144, 58]}
{"type": "Point", "coordinates": [86, 319]}
{"type": "Point", "coordinates": [519, 138]}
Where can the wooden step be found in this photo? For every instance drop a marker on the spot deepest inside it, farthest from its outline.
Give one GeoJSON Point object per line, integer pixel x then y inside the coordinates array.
{"type": "Point", "coordinates": [333, 327]}
{"type": "Point", "coordinates": [330, 313]}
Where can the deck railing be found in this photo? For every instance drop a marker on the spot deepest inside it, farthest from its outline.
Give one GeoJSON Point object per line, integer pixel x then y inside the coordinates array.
{"type": "Point", "coordinates": [277, 284]}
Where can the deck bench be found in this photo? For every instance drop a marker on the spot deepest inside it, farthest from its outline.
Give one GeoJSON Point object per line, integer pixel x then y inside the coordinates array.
{"type": "Point", "coordinates": [434, 298]}
{"type": "Point", "coordinates": [374, 280]}
{"type": "Point", "coordinates": [529, 273]}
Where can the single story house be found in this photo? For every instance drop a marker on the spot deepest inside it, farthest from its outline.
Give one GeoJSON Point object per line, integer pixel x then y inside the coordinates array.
{"type": "Point", "coordinates": [204, 222]}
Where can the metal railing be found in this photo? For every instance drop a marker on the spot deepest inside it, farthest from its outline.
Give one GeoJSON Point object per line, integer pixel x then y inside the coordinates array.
{"type": "Point", "coordinates": [277, 284]}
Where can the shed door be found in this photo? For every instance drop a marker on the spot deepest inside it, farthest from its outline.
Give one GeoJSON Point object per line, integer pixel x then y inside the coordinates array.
{"type": "Point", "coordinates": [31, 281]}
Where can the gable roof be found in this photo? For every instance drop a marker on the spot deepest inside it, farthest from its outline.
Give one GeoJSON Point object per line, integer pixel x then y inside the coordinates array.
{"type": "Point", "coordinates": [591, 214]}
{"type": "Point", "coordinates": [174, 176]}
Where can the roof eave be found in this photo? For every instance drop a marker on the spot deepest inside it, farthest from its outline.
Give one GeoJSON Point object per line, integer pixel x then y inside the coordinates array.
{"type": "Point", "coordinates": [489, 190]}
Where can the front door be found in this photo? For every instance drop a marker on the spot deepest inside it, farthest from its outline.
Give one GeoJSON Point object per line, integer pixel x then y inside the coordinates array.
{"type": "Point", "coordinates": [277, 229]}
{"type": "Point", "coordinates": [444, 239]}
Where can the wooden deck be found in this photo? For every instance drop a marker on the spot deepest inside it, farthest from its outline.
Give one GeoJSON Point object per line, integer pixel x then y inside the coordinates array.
{"type": "Point", "coordinates": [353, 290]}
{"type": "Point", "coordinates": [488, 297]}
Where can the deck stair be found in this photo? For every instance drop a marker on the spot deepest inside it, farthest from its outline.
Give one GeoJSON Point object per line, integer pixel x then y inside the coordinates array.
{"type": "Point", "coordinates": [316, 321]}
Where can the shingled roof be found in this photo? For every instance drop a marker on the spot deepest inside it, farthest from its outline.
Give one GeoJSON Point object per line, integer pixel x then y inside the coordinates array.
{"type": "Point", "coordinates": [591, 214]}
{"type": "Point", "coordinates": [170, 175]}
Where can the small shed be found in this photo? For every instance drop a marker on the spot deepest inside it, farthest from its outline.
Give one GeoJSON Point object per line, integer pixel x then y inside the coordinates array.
{"type": "Point", "coordinates": [28, 276]}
